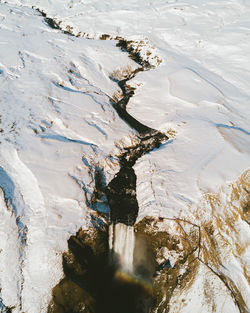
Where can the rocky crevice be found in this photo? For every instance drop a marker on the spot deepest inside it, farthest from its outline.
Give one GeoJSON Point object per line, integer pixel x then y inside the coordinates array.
{"type": "Point", "coordinates": [121, 197]}
{"type": "Point", "coordinates": [121, 191]}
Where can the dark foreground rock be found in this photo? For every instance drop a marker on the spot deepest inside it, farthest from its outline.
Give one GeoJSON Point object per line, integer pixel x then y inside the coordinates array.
{"type": "Point", "coordinates": [92, 284]}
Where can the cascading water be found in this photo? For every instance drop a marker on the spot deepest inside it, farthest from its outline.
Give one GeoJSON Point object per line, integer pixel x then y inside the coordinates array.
{"type": "Point", "coordinates": [121, 245]}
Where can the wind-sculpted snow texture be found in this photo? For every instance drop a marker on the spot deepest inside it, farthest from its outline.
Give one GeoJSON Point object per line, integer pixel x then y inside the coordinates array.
{"type": "Point", "coordinates": [134, 112]}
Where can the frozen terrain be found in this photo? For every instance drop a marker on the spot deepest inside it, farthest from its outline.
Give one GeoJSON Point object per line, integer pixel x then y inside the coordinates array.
{"type": "Point", "coordinates": [58, 128]}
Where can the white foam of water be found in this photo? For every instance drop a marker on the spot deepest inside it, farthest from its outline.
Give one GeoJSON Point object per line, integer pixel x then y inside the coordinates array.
{"type": "Point", "coordinates": [122, 242]}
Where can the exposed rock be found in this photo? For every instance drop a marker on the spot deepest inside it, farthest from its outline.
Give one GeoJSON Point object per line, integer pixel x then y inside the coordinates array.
{"type": "Point", "coordinates": [175, 245]}
{"type": "Point", "coordinates": [121, 194]}
{"type": "Point", "coordinates": [92, 283]}
{"type": "Point", "coordinates": [85, 267]}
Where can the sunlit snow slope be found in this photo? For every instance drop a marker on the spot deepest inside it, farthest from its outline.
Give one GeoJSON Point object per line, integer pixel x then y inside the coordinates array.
{"type": "Point", "coordinates": [57, 125]}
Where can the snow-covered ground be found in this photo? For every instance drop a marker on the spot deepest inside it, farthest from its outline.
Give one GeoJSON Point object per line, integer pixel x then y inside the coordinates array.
{"type": "Point", "coordinates": [57, 123]}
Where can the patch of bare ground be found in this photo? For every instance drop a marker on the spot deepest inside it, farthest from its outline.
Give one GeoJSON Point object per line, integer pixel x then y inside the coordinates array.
{"type": "Point", "coordinates": [180, 250]}
{"type": "Point", "coordinates": [220, 236]}
{"type": "Point", "coordinates": [175, 244]}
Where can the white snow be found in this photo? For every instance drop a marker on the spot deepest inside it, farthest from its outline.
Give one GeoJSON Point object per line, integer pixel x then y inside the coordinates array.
{"type": "Point", "coordinates": [55, 110]}
{"type": "Point", "coordinates": [195, 299]}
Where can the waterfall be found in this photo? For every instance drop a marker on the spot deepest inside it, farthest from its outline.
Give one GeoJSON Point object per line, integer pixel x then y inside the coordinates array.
{"type": "Point", "coordinates": [121, 244]}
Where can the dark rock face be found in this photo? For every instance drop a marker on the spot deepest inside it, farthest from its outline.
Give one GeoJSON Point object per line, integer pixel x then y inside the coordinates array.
{"type": "Point", "coordinates": [92, 283]}
{"type": "Point", "coordinates": [121, 194]}
{"type": "Point", "coordinates": [86, 272]}
{"type": "Point", "coordinates": [121, 191]}
{"type": "Point", "coordinates": [170, 237]}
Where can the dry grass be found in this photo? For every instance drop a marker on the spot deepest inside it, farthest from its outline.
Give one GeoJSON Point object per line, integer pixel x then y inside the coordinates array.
{"type": "Point", "coordinates": [123, 73]}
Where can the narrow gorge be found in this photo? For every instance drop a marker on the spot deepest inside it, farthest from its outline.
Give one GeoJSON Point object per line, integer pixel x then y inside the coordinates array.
{"type": "Point", "coordinates": [125, 284]}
